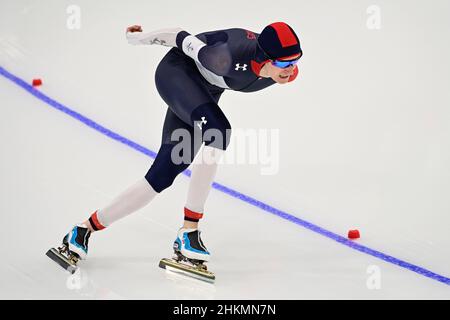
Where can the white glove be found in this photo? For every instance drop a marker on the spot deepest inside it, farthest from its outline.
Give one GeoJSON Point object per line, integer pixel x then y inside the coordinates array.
{"type": "Point", "coordinates": [164, 37]}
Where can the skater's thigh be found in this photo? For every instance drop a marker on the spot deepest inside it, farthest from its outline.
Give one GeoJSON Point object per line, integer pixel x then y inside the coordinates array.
{"type": "Point", "coordinates": [181, 86]}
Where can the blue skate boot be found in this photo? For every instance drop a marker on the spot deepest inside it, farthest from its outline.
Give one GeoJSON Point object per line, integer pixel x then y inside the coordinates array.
{"type": "Point", "coordinates": [190, 256]}
{"type": "Point", "coordinates": [77, 240]}
{"type": "Point", "coordinates": [189, 245]}
{"type": "Point", "coordinates": [74, 248]}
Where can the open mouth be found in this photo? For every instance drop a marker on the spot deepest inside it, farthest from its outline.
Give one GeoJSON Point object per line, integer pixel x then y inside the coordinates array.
{"type": "Point", "coordinates": [283, 77]}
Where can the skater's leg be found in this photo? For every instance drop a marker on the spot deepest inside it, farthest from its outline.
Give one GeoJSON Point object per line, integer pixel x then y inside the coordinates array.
{"type": "Point", "coordinates": [160, 176]}
{"type": "Point", "coordinates": [216, 131]}
{"type": "Point", "coordinates": [132, 199]}
{"type": "Point", "coordinates": [203, 169]}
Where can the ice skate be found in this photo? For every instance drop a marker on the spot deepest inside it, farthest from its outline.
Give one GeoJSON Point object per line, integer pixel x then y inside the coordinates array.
{"type": "Point", "coordinates": [74, 248]}
{"type": "Point", "coordinates": [190, 255]}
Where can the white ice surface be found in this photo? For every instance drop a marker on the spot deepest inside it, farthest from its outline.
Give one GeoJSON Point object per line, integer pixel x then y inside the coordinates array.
{"type": "Point", "coordinates": [364, 144]}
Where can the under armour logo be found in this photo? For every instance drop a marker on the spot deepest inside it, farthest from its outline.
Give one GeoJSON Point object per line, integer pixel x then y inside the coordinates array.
{"type": "Point", "coordinates": [200, 123]}
{"type": "Point", "coordinates": [157, 41]}
{"type": "Point", "coordinates": [189, 47]}
{"type": "Point", "coordinates": [243, 68]}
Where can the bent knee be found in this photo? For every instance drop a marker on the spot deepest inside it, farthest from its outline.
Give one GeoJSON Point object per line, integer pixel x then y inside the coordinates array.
{"type": "Point", "coordinates": [163, 171]}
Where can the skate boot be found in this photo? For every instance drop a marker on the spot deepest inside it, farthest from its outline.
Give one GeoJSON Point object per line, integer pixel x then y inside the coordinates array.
{"type": "Point", "coordinates": [189, 245]}
{"type": "Point", "coordinates": [74, 248]}
{"type": "Point", "coordinates": [190, 256]}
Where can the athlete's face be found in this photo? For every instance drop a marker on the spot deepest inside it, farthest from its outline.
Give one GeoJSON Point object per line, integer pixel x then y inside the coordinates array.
{"type": "Point", "coordinates": [279, 75]}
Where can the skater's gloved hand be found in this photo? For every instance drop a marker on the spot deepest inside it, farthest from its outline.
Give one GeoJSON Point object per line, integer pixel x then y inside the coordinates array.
{"type": "Point", "coordinates": [134, 28]}
{"type": "Point", "coordinates": [164, 37]}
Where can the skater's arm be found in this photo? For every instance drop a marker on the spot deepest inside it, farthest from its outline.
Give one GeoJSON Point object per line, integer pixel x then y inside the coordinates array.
{"type": "Point", "coordinates": [164, 37]}
{"type": "Point", "coordinates": [215, 57]}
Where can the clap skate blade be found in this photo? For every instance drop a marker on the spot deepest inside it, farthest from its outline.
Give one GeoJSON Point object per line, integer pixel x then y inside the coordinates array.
{"type": "Point", "coordinates": [64, 258]}
{"type": "Point", "coordinates": [194, 268]}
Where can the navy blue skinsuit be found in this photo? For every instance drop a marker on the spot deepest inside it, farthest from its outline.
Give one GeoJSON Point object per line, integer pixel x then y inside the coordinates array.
{"type": "Point", "coordinates": [231, 60]}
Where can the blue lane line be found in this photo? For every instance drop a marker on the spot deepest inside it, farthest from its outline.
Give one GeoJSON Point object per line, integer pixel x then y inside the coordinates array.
{"type": "Point", "coordinates": [225, 189]}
